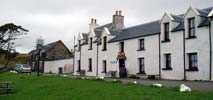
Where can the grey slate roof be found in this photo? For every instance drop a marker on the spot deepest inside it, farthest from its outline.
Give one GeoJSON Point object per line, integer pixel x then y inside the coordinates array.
{"type": "Point", "coordinates": [154, 27]}
{"type": "Point", "coordinates": [177, 18]}
{"type": "Point", "coordinates": [85, 35]}
{"type": "Point", "coordinates": [109, 25]}
{"type": "Point", "coordinates": [138, 31]}
{"type": "Point", "coordinates": [45, 48]}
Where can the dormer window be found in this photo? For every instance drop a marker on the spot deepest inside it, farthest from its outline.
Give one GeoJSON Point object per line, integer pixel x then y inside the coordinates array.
{"type": "Point", "coordinates": [90, 44]}
{"type": "Point", "coordinates": [104, 43]}
{"type": "Point", "coordinates": [166, 32]}
{"type": "Point", "coordinates": [191, 27]}
{"type": "Point", "coordinates": [79, 45]}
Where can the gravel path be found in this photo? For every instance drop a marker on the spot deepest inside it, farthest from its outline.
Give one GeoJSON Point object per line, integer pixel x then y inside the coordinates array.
{"type": "Point", "coordinates": [203, 86]}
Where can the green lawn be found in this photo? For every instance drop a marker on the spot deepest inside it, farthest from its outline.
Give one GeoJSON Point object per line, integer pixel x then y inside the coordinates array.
{"type": "Point", "coordinates": [31, 87]}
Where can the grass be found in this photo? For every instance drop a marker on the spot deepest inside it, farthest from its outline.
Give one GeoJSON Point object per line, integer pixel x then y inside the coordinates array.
{"type": "Point", "coordinates": [31, 87]}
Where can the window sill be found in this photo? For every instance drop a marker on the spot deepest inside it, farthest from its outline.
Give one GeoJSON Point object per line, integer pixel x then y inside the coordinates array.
{"type": "Point", "coordinates": [164, 41]}
{"type": "Point", "coordinates": [192, 37]}
{"type": "Point", "coordinates": [192, 70]}
{"type": "Point", "coordinates": [141, 49]}
{"type": "Point", "coordinates": [90, 49]}
{"type": "Point", "coordinates": [166, 68]}
{"type": "Point", "coordinates": [89, 71]}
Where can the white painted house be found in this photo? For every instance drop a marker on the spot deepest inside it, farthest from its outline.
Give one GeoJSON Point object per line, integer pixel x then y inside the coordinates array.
{"type": "Point", "coordinates": [177, 47]}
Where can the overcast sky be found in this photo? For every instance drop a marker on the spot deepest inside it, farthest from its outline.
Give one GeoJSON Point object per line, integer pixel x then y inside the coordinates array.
{"type": "Point", "coordinates": [62, 19]}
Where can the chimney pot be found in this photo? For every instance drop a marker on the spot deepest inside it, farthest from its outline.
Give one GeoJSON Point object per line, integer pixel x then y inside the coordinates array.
{"type": "Point", "coordinates": [95, 21]}
{"type": "Point", "coordinates": [92, 21]}
{"type": "Point", "coordinates": [116, 12]}
{"type": "Point", "coordinates": [120, 12]}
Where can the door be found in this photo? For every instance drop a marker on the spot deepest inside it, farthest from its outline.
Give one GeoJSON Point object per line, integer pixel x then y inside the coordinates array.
{"type": "Point", "coordinates": [122, 69]}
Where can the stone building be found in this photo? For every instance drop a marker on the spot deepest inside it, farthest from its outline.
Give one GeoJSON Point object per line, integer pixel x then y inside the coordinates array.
{"type": "Point", "coordinates": [52, 57]}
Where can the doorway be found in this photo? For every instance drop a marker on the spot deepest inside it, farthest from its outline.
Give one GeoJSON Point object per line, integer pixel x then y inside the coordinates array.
{"type": "Point", "coordinates": [122, 69]}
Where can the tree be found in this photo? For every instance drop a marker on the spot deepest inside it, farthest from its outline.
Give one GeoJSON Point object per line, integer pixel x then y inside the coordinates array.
{"type": "Point", "coordinates": [8, 33]}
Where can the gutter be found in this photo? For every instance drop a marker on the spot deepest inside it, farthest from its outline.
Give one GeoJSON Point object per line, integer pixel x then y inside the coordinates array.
{"type": "Point", "coordinates": [159, 57]}
{"type": "Point", "coordinates": [97, 62]}
{"type": "Point", "coordinates": [74, 57]}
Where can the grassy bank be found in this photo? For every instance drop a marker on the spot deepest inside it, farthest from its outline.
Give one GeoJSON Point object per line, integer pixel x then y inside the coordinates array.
{"type": "Point", "coordinates": [31, 87]}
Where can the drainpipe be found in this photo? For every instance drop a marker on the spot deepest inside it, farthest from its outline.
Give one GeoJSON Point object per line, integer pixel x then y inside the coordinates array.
{"type": "Point", "coordinates": [97, 61]}
{"type": "Point", "coordinates": [80, 56]}
{"type": "Point", "coordinates": [159, 57]}
{"type": "Point", "coordinates": [210, 45]}
{"type": "Point", "coordinates": [74, 57]}
{"type": "Point", "coordinates": [184, 56]}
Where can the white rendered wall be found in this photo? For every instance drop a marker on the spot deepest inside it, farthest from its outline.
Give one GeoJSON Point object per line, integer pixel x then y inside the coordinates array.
{"type": "Point", "coordinates": [150, 55]}
{"type": "Point", "coordinates": [175, 48]}
{"type": "Point", "coordinates": [199, 45]}
{"type": "Point", "coordinates": [53, 66]}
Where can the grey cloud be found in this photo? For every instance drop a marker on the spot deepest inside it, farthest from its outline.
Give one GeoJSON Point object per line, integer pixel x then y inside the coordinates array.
{"type": "Point", "coordinates": [62, 19]}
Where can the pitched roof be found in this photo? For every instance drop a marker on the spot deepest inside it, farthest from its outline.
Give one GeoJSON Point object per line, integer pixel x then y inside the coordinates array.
{"type": "Point", "coordinates": [154, 27]}
{"type": "Point", "coordinates": [85, 35]}
{"type": "Point", "coordinates": [202, 12]}
{"type": "Point", "coordinates": [109, 25]}
{"type": "Point", "coordinates": [177, 18]}
{"type": "Point", "coordinates": [47, 47]}
{"type": "Point", "coordinates": [138, 31]}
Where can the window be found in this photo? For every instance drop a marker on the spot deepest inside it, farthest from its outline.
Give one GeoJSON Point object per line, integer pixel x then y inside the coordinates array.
{"type": "Point", "coordinates": [191, 26]}
{"type": "Point", "coordinates": [79, 66]}
{"type": "Point", "coordinates": [141, 66]}
{"type": "Point", "coordinates": [121, 47]}
{"type": "Point", "coordinates": [166, 32]}
{"type": "Point", "coordinates": [90, 44]}
{"type": "Point", "coordinates": [167, 62]}
{"type": "Point", "coordinates": [104, 66]}
{"type": "Point", "coordinates": [193, 62]}
{"type": "Point", "coordinates": [90, 64]}
{"type": "Point", "coordinates": [104, 43]}
{"type": "Point", "coordinates": [79, 45]}
{"type": "Point", "coordinates": [141, 44]}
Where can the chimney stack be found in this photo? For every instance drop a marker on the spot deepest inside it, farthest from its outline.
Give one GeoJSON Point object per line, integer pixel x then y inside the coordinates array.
{"type": "Point", "coordinates": [93, 24]}
{"type": "Point", "coordinates": [118, 21]}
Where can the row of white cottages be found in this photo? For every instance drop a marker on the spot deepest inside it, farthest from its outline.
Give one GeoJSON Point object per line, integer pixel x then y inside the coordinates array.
{"type": "Point", "coordinates": [177, 47]}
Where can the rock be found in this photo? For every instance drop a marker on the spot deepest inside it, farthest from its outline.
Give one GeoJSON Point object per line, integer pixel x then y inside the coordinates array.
{"type": "Point", "coordinates": [101, 77]}
{"type": "Point", "coordinates": [12, 71]}
{"type": "Point", "coordinates": [157, 85]}
{"type": "Point", "coordinates": [82, 78]}
{"type": "Point", "coordinates": [135, 82]}
{"type": "Point", "coordinates": [184, 88]}
{"type": "Point", "coordinates": [64, 75]}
